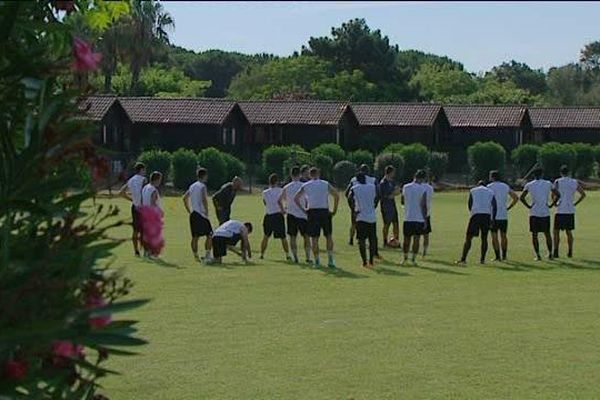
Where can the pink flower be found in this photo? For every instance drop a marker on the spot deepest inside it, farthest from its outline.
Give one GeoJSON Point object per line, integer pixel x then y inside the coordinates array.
{"type": "Point", "coordinates": [152, 225]}
{"type": "Point", "coordinates": [100, 321]}
{"type": "Point", "coordinates": [15, 370]}
{"type": "Point", "coordinates": [66, 349]}
{"type": "Point", "coordinates": [84, 59]}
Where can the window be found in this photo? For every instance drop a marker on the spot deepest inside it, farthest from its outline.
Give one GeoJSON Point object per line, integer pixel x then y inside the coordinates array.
{"type": "Point", "coordinates": [104, 134]}
{"type": "Point", "coordinates": [224, 135]}
{"type": "Point", "coordinates": [233, 136]}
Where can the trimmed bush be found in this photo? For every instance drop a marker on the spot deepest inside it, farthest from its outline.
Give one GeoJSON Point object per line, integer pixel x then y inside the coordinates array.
{"type": "Point", "coordinates": [524, 158]}
{"type": "Point", "coordinates": [324, 163]}
{"type": "Point", "coordinates": [393, 148]}
{"type": "Point", "coordinates": [360, 157]}
{"type": "Point", "coordinates": [331, 150]}
{"type": "Point", "coordinates": [184, 164]}
{"type": "Point", "coordinates": [235, 167]}
{"type": "Point", "coordinates": [393, 159]}
{"type": "Point", "coordinates": [416, 156]}
{"type": "Point", "coordinates": [343, 171]}
{"type": "Point", "coordinates": [597, 153]}
{"type": "Point", "coordinates": [553, 155]}
{"type": "Point", "coordinates": [157, 160]}
{"type": "Point", "coordinates": [274, 158]}
{"type": "Point", "coordinates": [437, 165]}
{"type": "Point", "coordinates": [299, 159]}
{"type": "Point", "coordinates": [485, 157]}
{"type": "Point", "coordinates": [212, 159]}
{"type": "Point", "coordinates": [584, 160]}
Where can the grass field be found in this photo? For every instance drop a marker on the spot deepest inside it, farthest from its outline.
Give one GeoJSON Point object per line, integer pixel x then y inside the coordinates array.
{"type": "Point", "coordinates": [273, 330]}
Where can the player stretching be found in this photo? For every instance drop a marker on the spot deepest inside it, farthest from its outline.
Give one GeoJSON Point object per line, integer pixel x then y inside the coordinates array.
{"type": "Point", "coordinates": [389, 211]}
{"type": "Point", "coordinates": [483, 209]}
{"type": "Point", "coordinates": [227, 235]}
{"type": "Point", "coordinates": [317, 193]}
{"type": "Point", "coordinates": [539, 210]}
{"type": "Point", "coordinates": [200, 225]}
{"type": "Point", "coordinates": [414, 200]}
{"type": "Point", "coordinates": [364, 198]}
{"type": "Point", "coordinates": [135, 185]}
{"type": "Point", "coordinates": [564, 219]}
{"type": "Point", "coordinates": [501, 193]}
{"type": "Point", "coordinates": [274, 221]}
{"type": "Point", "coordinates": [296, 217]}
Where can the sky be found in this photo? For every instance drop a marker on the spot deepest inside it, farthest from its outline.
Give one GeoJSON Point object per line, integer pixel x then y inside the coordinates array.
{"type": "Point", "coordinates": [478, 34]}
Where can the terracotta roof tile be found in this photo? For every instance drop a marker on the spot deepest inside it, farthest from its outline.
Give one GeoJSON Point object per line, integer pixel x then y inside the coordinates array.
{"type": "Point", "coordinates": [95, 107]}
{"type": "Point", "coordinates": [484, 116]}
{"type": "Point", "coordinates": [177, 110]}
{"type": "Point", "coordinates": [565, 117]}
{"type": "Point", "coordinates": [396, 114]}
{"type": "Point", "coordinates": [301, 112]}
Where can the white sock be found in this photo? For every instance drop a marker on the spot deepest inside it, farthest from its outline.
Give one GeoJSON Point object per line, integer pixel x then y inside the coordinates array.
{"type": "Point", "coordinates": [307, 249]}
{"type": "Point", "coordinates": [330, 254]}
{"type": "Point", "coordinates": [208, 254]}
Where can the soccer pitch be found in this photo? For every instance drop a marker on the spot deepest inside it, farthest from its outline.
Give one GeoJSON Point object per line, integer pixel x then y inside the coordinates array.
{"type": "Point", "coordinates": [275, 330]}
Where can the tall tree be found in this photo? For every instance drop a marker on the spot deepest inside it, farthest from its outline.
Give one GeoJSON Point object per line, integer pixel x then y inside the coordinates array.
{"type": "Point", "coordinates": [353, 46]}
{"type": "Point", "coordinates": [441, 82]}
{"type": "Point", "coordinates": [146, 28]}
{"type": "Point", "coordinates": [590, 56]}
{"type": "Point", "coordinates": [523, 76]}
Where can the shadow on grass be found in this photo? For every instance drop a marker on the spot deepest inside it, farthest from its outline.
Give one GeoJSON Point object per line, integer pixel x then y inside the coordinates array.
{"type": "Point", "coordinates": [539, 267]}
{"type": "Point", "coordinates": [161, 263]}
{"type": "Point", "coordinates": [389, 272]}
{"type": "Point", "coordinates": [573, 265]}
{"type": "Point", "coordinates": [440, 270]}
{"type": "Point", "coordinates": [340, 273]}
{"type": "Point", "coordinates": [511, 268]}
{"type": "Point", "coordinates": [593, 262]}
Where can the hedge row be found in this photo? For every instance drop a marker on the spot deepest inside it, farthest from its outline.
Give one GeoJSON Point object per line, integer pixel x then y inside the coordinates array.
{"type": "Point", "coordinates": [337, 165]}
{"type": "Point", "coordinates": [182, 165]}
{"type": "Point", "coordinates": [580, 157]}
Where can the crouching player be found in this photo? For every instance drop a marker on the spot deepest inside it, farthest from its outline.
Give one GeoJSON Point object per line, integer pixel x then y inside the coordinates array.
{"type": "Point", "coordinates": [227, 236]}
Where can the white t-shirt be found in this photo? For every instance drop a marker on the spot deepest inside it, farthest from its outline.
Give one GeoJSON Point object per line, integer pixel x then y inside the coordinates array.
{"type": "Point", "coordinates": [540, 190]}
{"type": "Point", "coordinates": [413, 195]}
{"type": "Point", "coordinates": [429, 194]}
{"type": "Point", "coordinates": [567, 187]}
{"type": "Point", "coordinates": [317, 193]}
{"type": "Point", "coordinates": [229, 228]}
{"type": "Point", "coordinates": [271, 197]}
{"type": "Point", "coordinates": [369, 179]}
{"type": "Point", "coordinates": [501, 191]}
{"type": "Point", "coordinates": [197, 191]}
{"type": "Point", "coordinates": [147, 193]}
{"type": "Point", "coordinates": [290, 191]}
{"type": "Point", "coordinates": [135, 184]}
{"type": "Point", "coordinates": [482, 200]}
{"type": "Point", "coordinates": [364, 202]}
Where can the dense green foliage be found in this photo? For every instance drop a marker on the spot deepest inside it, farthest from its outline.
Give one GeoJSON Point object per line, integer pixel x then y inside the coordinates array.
{"type": "Point", "coordinates": [235, 167]}
{"type": "Point", "coordinates": [157, 160]}
{"type": "Point", "coordinates": [415, 156]}
{"type": "Point", "coordinates": [393, 148]}
{"type": "Point", "coordinates": [437, 165]}
{"type": "Point", "coordinates": [360, 157]}
{"type": "Point", "coordinates": [385, 159]}
{"type": "Point", "coordinates": [332, 150]}
{"type": "Point", "coordinates": [343, 171]}
{"type": "Point", "coordinates": [554, 155]}
{"type": "Point", "coordinates": [524, 158]}
{"type": "Point", "coordinates": [584, 160]}
{"type": "Point", "coordinates": [275, 158]}
{"type": "Point", "coordinates": [485, 157]}
{"type": "Point", "coordinates": [184, 165]}
{"type": "Point", "coordinates": [212, 159]}
{"type": "Point", "coordinates": [324, 163]}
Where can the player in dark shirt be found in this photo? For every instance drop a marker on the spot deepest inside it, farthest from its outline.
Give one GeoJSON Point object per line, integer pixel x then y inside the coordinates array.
{"type": "Point", "coordinates": [388, 191]}
{"type": "Point", "coordinates": [223, 199]}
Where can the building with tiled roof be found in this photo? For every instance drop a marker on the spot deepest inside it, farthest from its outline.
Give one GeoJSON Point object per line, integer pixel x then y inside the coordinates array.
{"type": "Point", "coordinates": [565, 124]}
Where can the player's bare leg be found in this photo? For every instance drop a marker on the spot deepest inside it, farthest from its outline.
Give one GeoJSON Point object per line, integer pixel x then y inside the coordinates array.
{"type": "Point", "coordinates": [496, 246]}
{"type": "Point", "coordinates": [570, 241]}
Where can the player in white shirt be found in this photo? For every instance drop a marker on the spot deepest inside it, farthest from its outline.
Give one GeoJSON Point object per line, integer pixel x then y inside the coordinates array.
{"type": "Point", "coordinates": [564, 219]}
{"type": "Point", "coordinates": [364, 198]}
{"type": "Point", "coordinates": [539, 210]}
{"type": "Point", "coordinates": [274, 220]}
{"type": "Point", "coordinates": [195, 201]}
{"type": "Point", "coordinates": [316, 192]}
{"type": "Point", "coordinates": [296, 217]}
{"type": "Point", "coordinates": [226, 237]}
{"type": "Point", "coordinates": [427, 228]}
{"type": "Point", "coordinates": [134, 186]}
{"type": "Point", "coordinates": [414, 200]}
{"type": "Point", "coordinates": [483, 209]}
{"type": "Point", "coordinates": [501, 192]}
{"type": "Point", "coordinates": [364, 169]}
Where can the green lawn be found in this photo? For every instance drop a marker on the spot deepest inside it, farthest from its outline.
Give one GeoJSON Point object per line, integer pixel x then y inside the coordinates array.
{"type": "Point", "coordinates": [273, 330]}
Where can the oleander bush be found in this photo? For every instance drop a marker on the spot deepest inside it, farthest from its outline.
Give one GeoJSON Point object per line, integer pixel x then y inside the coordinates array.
{"type": "Point", "coordinates": [184, 166]}
{"type": "Point", "coordinates": [554, 155]}
{"type": "Point", "coordinates": [524, 158]}
{"type": "Point", "coordinates": [212, 159]}
{"type": "Point", "coordinates": [343, 172]}
{"type": "Point", "coordinates": [484, 157]}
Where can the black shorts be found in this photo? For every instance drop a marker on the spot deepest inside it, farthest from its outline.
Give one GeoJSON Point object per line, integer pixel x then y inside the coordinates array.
{"type": "Point", "coordinates": [318, 219]}
{"type": "Point", "coordinates": [499, 225]}
{"type": "Point", "coordinates": [274, 224]}
{"type": "Point", "coordinates": [479, 223]}
{"type": "Point", "coordinates": [427, 229]}
{"type": "Point", "coordinates": [220, 244]}
{"type": "Point", "coordinates": [366, 230]}
{"type": "Point", "coordinates": [412, 228]}
{"type": "Point", "coordinates": [295, 225]}
{"type": "Point", "coordinates": [199, 225]}
{"type": "Point", "coordinates": [539, 224]}
{"type": "Point", "coordinates": [136, 219]}
{"type": "Point", "coordinates": [389, 215]}
{"type": "Point", "coordinates": [564, 222]}
{"type": "Point", "coordinates": [223, 216]}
